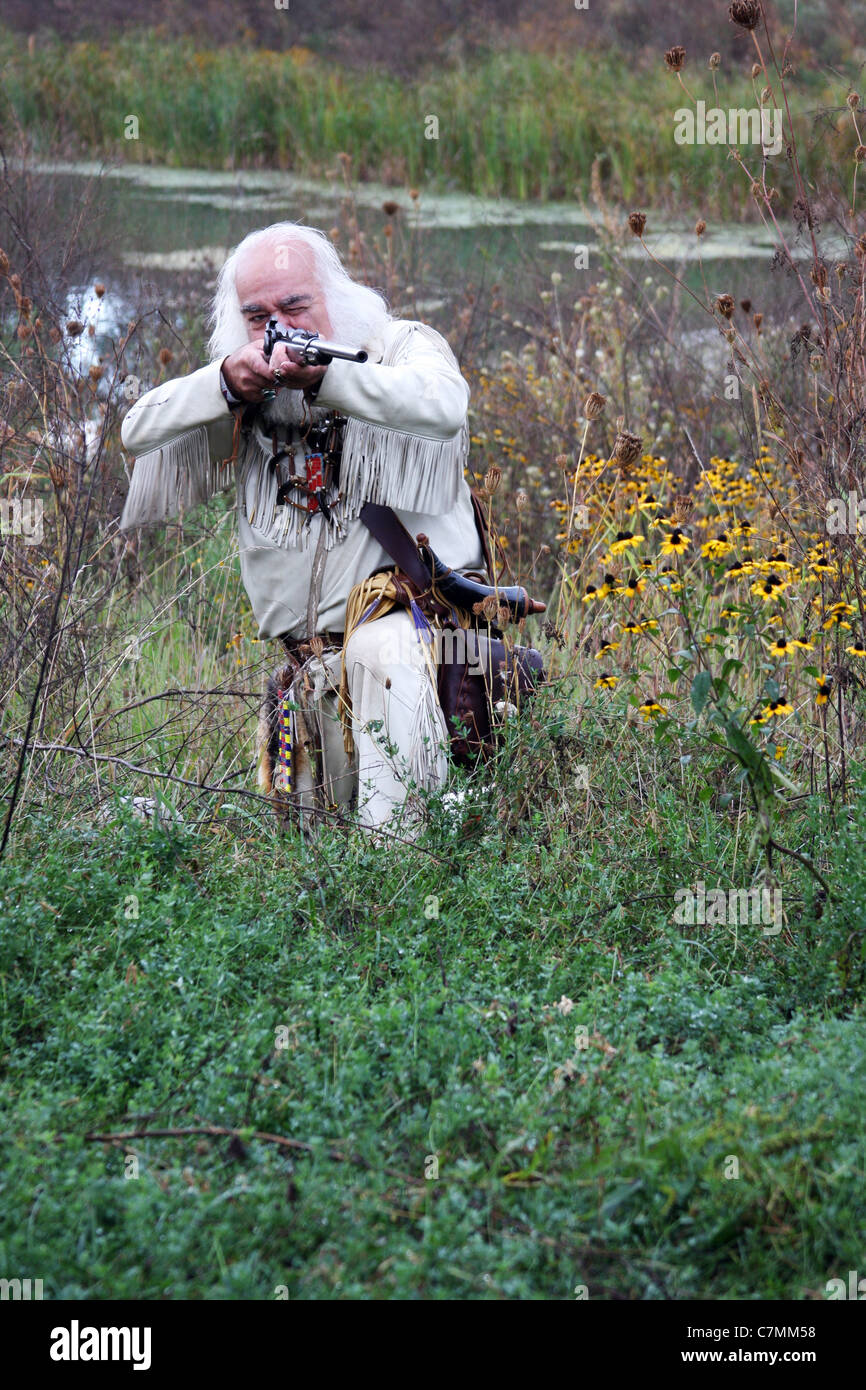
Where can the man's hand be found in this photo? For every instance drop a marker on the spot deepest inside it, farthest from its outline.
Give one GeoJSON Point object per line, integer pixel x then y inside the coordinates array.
{"type": "Point", "coordinates": [248, 374]}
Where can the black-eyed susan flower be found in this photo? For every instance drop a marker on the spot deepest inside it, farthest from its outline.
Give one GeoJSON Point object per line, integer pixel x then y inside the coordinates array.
{"type": "Point", "coordinates": [779, 561]}
{"type": "Point", "coordinates": [631, 627]}
{"type": "Point", "coordinates": [776, 709]}
{"type": "Point", "coordinates": [651, 710]}
{"type": "Point", "coordinates": [856, 649]}
{"type": "Point", "coordinates": [769, 588]}
{"type": "Point", "coordinates": [798, 642]}
{"type": "Point", "coordinates": [649, 624]}
{"type": "Point", "coordinates": [717, 547]}
{"type": "Point", "coordinates": [606, 649]}
{"type": "Point", "coordinates": [675, 544]}
{"type": "Point", "coordinates": [836, 614]}
{"type": "Point", "coordinates": [780, 647]}
{"type": "Point", "coordinates": [780, 751]}
{"type": "Point", "coordinates": [736, 570]}
{"type": "Point", "coordinates": [624, 540]}
{"type": "Point", "coordinates": [589, 593]}
{"type": "Point", "coordinates": [648, 502]}
{"type": "Point", "coordinates": [730, 613]}
{"type": "Point", "coordinates": [632, 587]}
{"type": "Point", "coordinates": [605, 682]}
{"type": "Point", "coordinates": [823, 690]}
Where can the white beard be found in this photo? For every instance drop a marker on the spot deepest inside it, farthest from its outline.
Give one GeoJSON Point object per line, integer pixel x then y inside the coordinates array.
{"type": "Point", "coordinates": [290, 408]}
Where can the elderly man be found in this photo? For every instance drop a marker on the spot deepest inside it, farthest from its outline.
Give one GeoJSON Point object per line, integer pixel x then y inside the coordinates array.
{"type": "Point", "coordinates": [309, 445]}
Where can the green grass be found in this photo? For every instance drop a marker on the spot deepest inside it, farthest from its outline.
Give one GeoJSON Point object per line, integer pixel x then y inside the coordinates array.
{"type": "Point", "coordinates": [511, 124]}
{"type": "Point", "coordinates": [145, 975]}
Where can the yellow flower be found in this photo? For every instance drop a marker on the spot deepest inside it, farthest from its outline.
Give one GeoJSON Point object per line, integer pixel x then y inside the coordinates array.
{"type": "Point", "coordinates": [716, 548]}
{"type": "Point", "coordinates": [856, 649]}
{"type": "Point", "coordinates": [605, 682]}
{"type": "Point", "coordinates": [624, 539]}
{"type": "Point", "coordinates": [780, 647]}
{"type": "Point", "coordinates": [631, 587]}
{"type": "Point", "coordinates": [651, 710]}
{"type": "Point", "coordinates": [824, 688]}
{"type": "Point", "coordinates": [769, 588]}
{"type": "Point", "coordinates": [631, 627]}
{"type": "Point", "coordinates": [781, 749]}
{"type": "Point", "coordinates": [589, 593]}
{"type": "Point", "coordinates": [606, 649]}
{"type": "Point", "coordinates": [675, 544]}
{"type": "Point", "coordinates": [776, 708]}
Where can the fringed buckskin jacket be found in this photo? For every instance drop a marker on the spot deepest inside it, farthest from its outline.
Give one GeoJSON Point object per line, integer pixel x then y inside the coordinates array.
{"type": "Point", "coordinates": [405, 445]}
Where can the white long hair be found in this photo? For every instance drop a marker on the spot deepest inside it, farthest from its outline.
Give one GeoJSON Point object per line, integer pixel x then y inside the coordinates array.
{"type": "Point", "coordinates": [357, 313]}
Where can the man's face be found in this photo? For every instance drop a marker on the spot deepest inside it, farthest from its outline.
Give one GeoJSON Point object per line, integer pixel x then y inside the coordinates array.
{"type": "Point", "coordinates": [278, 280]}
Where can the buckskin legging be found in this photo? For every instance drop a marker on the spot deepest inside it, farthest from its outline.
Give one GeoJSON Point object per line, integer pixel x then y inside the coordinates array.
{"type": "Point", "coordinates": [397, 723]}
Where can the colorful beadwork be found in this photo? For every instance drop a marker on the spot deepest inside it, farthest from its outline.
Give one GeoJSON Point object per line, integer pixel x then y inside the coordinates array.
{"type": "Point", "coordinates": [285, 740]}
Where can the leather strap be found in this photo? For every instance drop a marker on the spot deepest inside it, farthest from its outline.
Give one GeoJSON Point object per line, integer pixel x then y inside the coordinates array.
{"type": "Point", "coordinates": [425, 569]}
{"type": "Point", "coordinates": [315, 593]}
{"type": "Point", "coordinates": [392, 535]}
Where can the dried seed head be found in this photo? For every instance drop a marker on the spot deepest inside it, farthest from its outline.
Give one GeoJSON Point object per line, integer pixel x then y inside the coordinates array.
{"type": "Point", "coordinates": [317, 646]}
{"type": "Point", "coordinates": [492, 479]}
{"type": "Point", "coordinates": [860, 247]}
{"type": "Point", "coordinates": [390, 207]}
{"type": "Point", "coordinates": [562, 462]}
{"type": "Point", "coordinates": [627, 449]}
{"type": "Point", "coordinates": [490, 607]}
{"type": "Point", "coordinates": [675, 57]}
{"type": "Point", "coordinates": [99, 289]}
{"type": "Point", "coordinates": [637, 222]}
{"type": "Point", "coordinates": [725, 305]}
{"type": "Point", "coordinates": [816, 361]}
{"type": "Point", "coordinates": [746, 306]}
{"type": "Point", "coordinates": [840, 269]}
{"type": "Point", "coordinates": [165, 356]}
{"type": "Point", "coordinates": [57, 474]}
{"type": "Point", "coordinates": [853, 100]}
{"type": "Point", "coordinates": [756, 70]}
{"type": "Point", "coordinates": [4, 262]}
{"type": "Point", "coordinates": [96, 373]}
{"type": "Point", "coordinates": [682, 508]}
{"type": "Point", "coordinates": [746, 13]}
{"type": "Point", "coordinates": [700, 227]}
{"type": "Point", "coordinates": [818, 274]}
{"type": "Point", "coordinates": [860, 154]}
{"type": "Point", "coordinates": [594, 405]}
{"type": "Point", "coordinates": [521, 500]}
{"type": "Point", "coordinates": [766, 95]}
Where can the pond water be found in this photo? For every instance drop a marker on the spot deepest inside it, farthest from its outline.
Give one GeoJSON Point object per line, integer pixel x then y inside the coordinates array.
{"type": "Point", "coordinates": [178, 219]}
{"type": "Point", "coordinates": [160, 225]}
